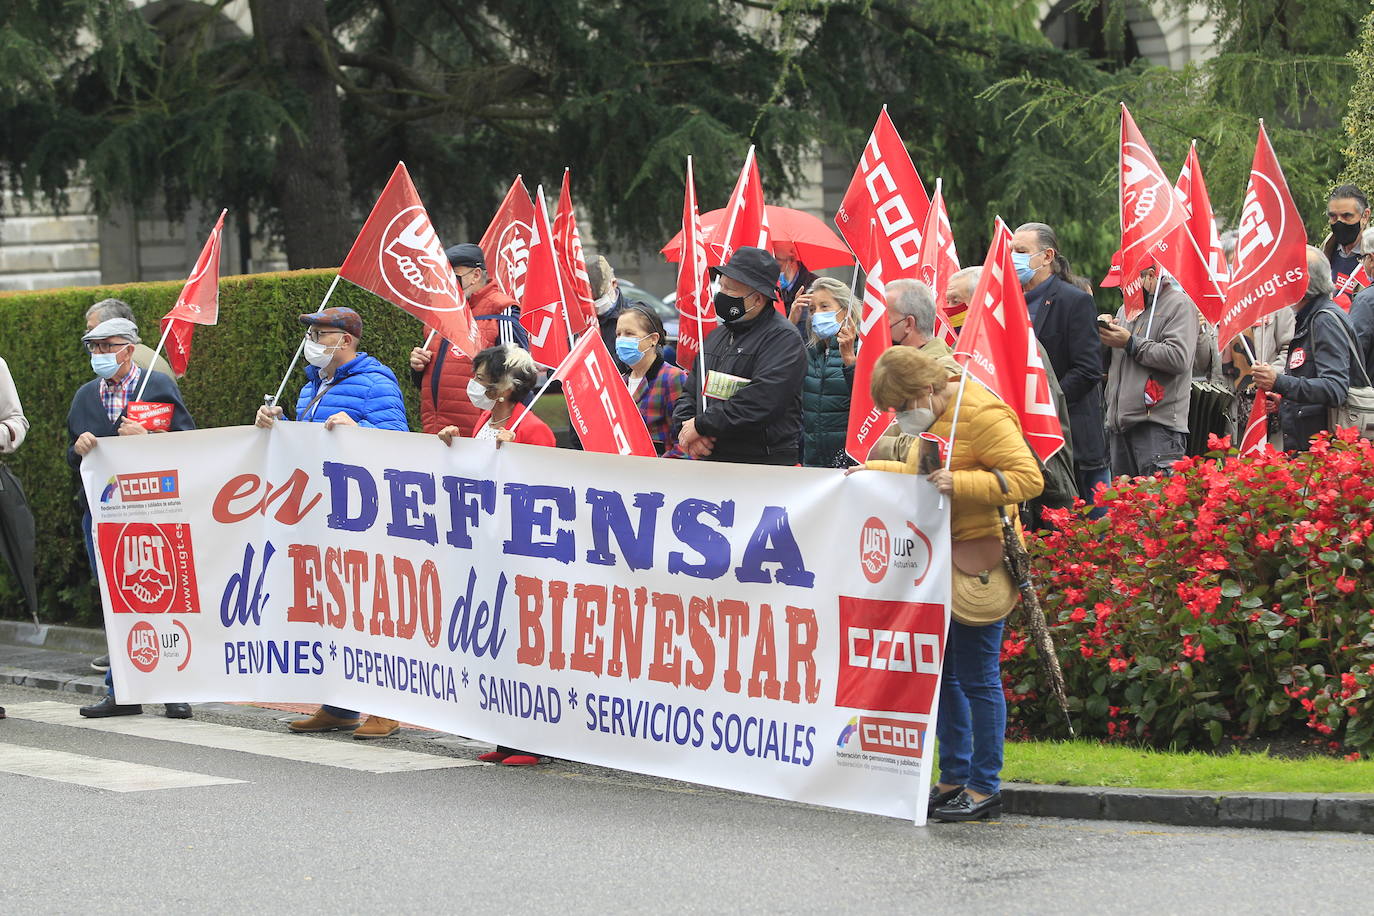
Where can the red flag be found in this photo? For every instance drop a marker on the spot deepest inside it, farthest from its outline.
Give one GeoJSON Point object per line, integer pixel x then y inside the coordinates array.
{"type": "Point", "coordinates": [696, 316]}
{"type": "Point", "coordinates": [1256, 435]}
{"type": "Point", "coordinates": [197, 304]}
{"type": "Point", "coordinates": [600, 408]}
{"type": "Point", "coordinates": [1149, 209]}
{"type": "Point", "coordinates": [577, 286]}
{"type": "Point", "coordinates": [866, 422]}
{"type": "Point", "coordinates": [1271, 248]}
{"type": "Point", "coordinates": [939, 261]}
{"type": "Point", "coordinates": [885, 187]}
{"type": "Point", "coordinates": [1350, 285]}
{"type": "Point", "coordinates": [506, 243]}
{"type": "Point", "coordinates": [745, 221]}
{"type": "Point", "coordinates": [543, 312]}
{"type": "Point", "coordinates": [1193, 253]}
{"type": "Point", "coordinates": [398, 256]}
{"type": "Point", "coordinates": [997, 347]}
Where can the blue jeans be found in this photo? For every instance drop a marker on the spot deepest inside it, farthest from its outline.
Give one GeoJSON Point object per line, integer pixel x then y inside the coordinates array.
{"type": "Point", "coordinates": [339, 712]}
{"type": "Point", "coordinates": [973, 709]}
{"type": "Point", "coordinates": [90, 545]}
{"type": "Point", "coordinates": [1088, 479]}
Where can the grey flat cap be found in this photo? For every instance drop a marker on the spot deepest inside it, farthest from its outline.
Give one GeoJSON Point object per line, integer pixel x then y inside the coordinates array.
{"type": "Point", "coordinates": [114, 327]}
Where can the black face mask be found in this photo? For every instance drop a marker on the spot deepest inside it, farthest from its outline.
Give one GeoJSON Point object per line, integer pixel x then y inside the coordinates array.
{"type": "Point", "coordinates": [729, 308]}
{"type": "Point", "coordinates": [1345, 233]}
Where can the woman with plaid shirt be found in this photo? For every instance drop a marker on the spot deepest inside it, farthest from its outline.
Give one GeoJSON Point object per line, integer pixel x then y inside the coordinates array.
{"type": "Point", "coordinates": [654, 383]}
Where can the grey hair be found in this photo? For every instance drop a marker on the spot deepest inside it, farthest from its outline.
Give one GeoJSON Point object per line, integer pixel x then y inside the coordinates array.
{"type": "Point", "coordinates": [106, 309]}
{"type": "Point", "coordinates": [1367, 240]}
{"type": "Point", "coordinates": [1319, 281]}
{"type": "Point", "coordinates": [916, 299]}
{"type": "Point", "coordinates": [1229, 240]}
{"type": "Point", "coordinates": [600, 275]}
{"type": "Point", "coordinates": [844, 298]}
{"type": "Point", "coordinates": [1047, 238]}
{"type": "Point", "coordinates": [971, 275]}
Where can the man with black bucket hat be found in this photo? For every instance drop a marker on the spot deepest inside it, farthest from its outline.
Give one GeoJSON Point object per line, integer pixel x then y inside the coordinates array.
{"type": "Point", "coordinates": [744, 400]}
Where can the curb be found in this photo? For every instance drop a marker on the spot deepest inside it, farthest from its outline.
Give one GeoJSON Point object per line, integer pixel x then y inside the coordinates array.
{"type": "Point", "coordinates": [1184, 808]}
{"type": "Point", "coordinates": [93, 684]}
{"type": "Point", "coordinates": [50, 636]}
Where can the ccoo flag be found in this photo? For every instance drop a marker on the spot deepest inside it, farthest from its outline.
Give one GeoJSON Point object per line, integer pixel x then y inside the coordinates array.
{"type": "Point", "coordinates": [745, 220]}
{"type": "Point", "coordinates": [939, 262]}
{"type": "Point", "coordinates": [885, 187]}
{"type": "Point", "coordinates": [543, 311]}
{"type": "Point", "coordinates": [997, 347]}
{"type": "Point", "coordinates": [696, 315]}
{"type": "Point", "coordinates": [398, 256]}
{"type": "Point", "coordinates": [866, 422]}
{"type": "Point", "coordinates": [600, 408]}
{"type": "Point", "coordinates": [572, 266]}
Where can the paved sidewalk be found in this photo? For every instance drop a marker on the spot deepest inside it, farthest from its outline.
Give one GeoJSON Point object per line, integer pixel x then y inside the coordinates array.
{"type": "Point", "coordinates": [59, 658]}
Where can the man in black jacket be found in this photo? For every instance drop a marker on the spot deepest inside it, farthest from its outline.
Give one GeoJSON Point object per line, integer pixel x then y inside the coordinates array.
{"type": "Point", "coordinates": [1065, 321]}
{"type": "Point", "coordinates": [755, 362]}
{"type": "Point", "coordinates": [1318, 374]}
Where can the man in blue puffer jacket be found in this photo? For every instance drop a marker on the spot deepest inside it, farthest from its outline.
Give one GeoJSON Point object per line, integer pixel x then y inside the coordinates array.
{"type": "Point", "coordinates": [345, 388]}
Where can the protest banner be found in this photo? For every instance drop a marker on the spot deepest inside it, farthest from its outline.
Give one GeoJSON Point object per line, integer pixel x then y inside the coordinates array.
{"type": "Point", "coordinates": [708, 623]}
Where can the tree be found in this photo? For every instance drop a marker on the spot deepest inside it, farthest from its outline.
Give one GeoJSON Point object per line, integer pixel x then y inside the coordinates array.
{"type": "Point", "coordinates": [1359, 118]}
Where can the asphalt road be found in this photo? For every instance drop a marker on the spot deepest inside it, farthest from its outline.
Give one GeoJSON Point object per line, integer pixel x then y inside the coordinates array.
{"type": "Point", "coordinates": [291, 836]}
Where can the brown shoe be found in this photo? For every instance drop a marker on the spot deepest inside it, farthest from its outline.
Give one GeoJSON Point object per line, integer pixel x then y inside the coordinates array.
{"type": "Point", "coordinates": [377, 727]}
{"type": "Point", "coordinates": [322, 721]}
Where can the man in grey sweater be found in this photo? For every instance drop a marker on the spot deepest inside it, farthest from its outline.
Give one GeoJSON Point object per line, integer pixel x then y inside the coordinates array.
{"type": "Point", "coordinates": [1149, 382]}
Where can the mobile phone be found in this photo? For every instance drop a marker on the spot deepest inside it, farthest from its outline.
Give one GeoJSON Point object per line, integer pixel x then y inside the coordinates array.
{"type": "Point", "coordinates": [1104, 320]}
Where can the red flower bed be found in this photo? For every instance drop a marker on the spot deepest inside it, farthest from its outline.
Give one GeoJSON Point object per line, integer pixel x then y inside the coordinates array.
{"type": "Point", "coordinates": [1227, 600]}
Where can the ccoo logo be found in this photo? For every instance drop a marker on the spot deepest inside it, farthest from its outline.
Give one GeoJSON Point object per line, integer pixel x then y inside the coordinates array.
{"type": "Point", "coordinates": [413, 263]}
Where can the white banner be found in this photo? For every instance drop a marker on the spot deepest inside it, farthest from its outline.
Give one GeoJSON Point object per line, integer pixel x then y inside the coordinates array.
{"type": "Point", "coordinates": [772, 630]}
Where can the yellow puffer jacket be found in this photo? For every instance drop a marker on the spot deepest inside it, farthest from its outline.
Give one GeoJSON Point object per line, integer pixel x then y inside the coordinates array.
{"type": "Point", "coordinates": [988, 436]}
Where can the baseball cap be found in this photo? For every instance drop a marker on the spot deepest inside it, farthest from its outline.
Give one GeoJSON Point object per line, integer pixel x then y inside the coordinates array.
{"type": "Point", "coordinates": [341, 317]}
{"type": "Point", "coordinates": [466, 255]}
{"type": "Point", "coordinates": [755, 268]}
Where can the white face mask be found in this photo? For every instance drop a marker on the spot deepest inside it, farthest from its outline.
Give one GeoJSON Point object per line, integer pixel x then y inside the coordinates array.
{"type": "Point", "coordinates": [317, 354]}
{"type": "Point", "coordinates": [916, 421]}
{"type": "Point", "coordinates": [477, 394]}
{"type": "Point", "coordinates": [607, 302]}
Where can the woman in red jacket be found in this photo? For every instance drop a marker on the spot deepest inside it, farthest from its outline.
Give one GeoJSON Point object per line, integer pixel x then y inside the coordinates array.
{"type": "Point", "coordinates": [502, 378]}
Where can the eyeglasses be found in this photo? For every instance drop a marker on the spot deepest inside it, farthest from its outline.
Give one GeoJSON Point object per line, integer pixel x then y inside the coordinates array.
{"type": "Point", "coordinates": [315, 334]}
{"type": "Point", "coordinates": [104, 346]}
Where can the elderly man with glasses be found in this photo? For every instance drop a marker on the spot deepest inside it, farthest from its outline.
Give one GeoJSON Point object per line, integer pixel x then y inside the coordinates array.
{"type": "Point", "coordinates": [100, 409]}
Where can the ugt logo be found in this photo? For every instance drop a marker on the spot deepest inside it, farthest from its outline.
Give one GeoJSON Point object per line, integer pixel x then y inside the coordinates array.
{"type": "Point", "coordinates": [413, 262]}
{"type": "Point", "coordinates": [513, 257]}
{"type": "Point", "coordinates": [875, 550]}
{"type": "Point", "coordinates": [143, 648]}
{"type": "Point", "coordinates": [149, 568]}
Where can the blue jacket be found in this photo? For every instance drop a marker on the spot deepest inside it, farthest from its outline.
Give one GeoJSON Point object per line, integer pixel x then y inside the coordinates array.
{"type": "Point", "coordinates": [362, 388]}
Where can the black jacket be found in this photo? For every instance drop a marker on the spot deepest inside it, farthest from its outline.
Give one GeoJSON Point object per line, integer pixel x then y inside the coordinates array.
{"type": "Point", "coordinates": [1362, 317]}
{"type": "Point", "coordinates": [761, 423]}
{"type": "Point", "coordinates": [1317, 377]}
{"type": "Point", "coordinates": [1066, 326]}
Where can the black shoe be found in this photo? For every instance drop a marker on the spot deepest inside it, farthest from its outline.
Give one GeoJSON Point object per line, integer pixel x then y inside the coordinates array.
{"type": "Point", "coordinates": [2, 712]}
{"type": "Point", "coordinates": [178, 710]}
{"type": "Point", "coordinates": [964, 808]}
{"type": "Point", "coordinates": [110, 707]}
{"type": "Point", "coordinates": [938, 798]}
{"type": "Point", "coordinates": [100, 665]}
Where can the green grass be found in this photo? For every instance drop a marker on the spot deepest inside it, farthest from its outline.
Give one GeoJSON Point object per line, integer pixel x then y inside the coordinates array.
{"type": "Point", "coordinates": [1083, 763]}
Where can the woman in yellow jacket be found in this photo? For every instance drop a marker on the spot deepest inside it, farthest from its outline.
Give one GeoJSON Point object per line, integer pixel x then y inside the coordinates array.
{"type": "Point", "coordinates": [972, 718]}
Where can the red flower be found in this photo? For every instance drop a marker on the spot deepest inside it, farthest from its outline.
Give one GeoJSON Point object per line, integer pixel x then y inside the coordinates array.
{"type": "Point", "coordinates": [1118, 665]}
{"type": "Point", "coordinates": [1345, 585]}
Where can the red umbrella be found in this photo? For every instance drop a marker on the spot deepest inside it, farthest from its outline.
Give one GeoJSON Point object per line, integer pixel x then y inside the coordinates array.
{"type": "Point", "coordinates": [816, 244]}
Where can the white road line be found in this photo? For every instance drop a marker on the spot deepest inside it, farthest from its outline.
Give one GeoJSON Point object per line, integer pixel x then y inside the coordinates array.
{"type": "Point", "coordinates": [97, 772]}
{"type": "Point", "coordinates": [352, 755]}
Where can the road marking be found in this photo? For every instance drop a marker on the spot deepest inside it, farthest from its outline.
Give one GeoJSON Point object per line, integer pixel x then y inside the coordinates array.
{"type": "Point", "coordinates": [353, 755]}
{"type": "Point", "coordinates": [97, 772]}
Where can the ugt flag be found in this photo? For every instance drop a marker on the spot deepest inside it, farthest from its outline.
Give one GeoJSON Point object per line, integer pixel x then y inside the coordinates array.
{"type": "Point", "coordinates": [1207, 276]}
{"type": "Point", "coordinates": [997, 347]}
{"type": "Point", "coordinates": [744, 224]}
{"type": "Point", "coordinates": [543, 311]}
{"type": "Point", "coordinates": [696, 316]}
{"type": "Point", "coordinates": [600, 408]}
{"type": "Point", "coordinates": [506, 243]}
{"type": "Point", "coordinates": [866, 422]}
{"type": "Point", "coordinates": [198, 302]}
{"type": "Point", "coordinates": [1149, 210]}
{"type": "Point", "coordinates": [398, 256]}
{"type": "Point", "coordinates": [577, 286]}
{"type": "Point", "coordinates": [885, 187]}
{"type": "Point", "coordinates": [1271, 249]}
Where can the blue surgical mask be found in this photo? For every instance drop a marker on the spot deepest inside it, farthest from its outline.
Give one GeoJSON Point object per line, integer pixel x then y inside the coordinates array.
{"type": "Point", "coordinates": [825, 324]}
{"type": "Point", "coordinates": [104, 365]}
{"type": "Point", "coordinates": [627, 349]}
{"type": "Point", "coordinates": [1024, 272]}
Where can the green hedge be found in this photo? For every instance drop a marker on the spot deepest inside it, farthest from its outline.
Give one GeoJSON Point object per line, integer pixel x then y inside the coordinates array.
{"type": "Point", "coordinates": [233, 364]}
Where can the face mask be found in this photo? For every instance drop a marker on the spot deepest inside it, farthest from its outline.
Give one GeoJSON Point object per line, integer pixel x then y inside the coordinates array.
{"type": "Point", "coordinates": [317, 354]}
{"type": "Point", "coordinates": [1024, 272]}
{"type": "Point", "coordinates": [915, 421]}
{"type": "Point", "coordinates": [606, 302]}
{"type": "Point", "coordinates": [825, 324]}
{"type": "Point", "coordinates": [104, 365]}
{"type": "Point", "coordinates": [477, 394]}
{"type": "Point", "coordinates": [729, 308]}
{"type": "Point", "coordinates": [627, 349]}
{"type": "Point", "coordinates": [1345, 233]}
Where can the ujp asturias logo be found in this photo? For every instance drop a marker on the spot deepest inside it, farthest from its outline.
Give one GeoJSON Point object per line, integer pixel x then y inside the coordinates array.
{"type": "Point", "coordinates": [142, 487]}
{"type": "Point", "coordinates": [149, 568]}
{"type": "Point", "coordinates": [909, 551]}
{"type": "Point", "coordinates": [149, 644]}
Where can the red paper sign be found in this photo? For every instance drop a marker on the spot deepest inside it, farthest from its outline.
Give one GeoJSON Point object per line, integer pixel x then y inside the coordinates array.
{"type": "Point", "coordinates": [154, 416]}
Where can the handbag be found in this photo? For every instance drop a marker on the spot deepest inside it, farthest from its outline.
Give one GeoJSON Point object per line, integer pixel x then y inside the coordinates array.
{"type": "Point", "coordinates": [981, 588]}
{"type": "Point", "coordinates": [1358, 410]}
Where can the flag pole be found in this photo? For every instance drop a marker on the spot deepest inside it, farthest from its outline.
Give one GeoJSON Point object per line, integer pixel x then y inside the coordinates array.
{"type": "Point", "coordinates": [146, 375]}
{"type": "Point", "coordinates": [429, 339]}
{"type": "Point", "coordinates": [540, 393]}
{"type": "Point", "coordinates": [301, 348]}
{"type": "Point", "coordinates": [953, 426]}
